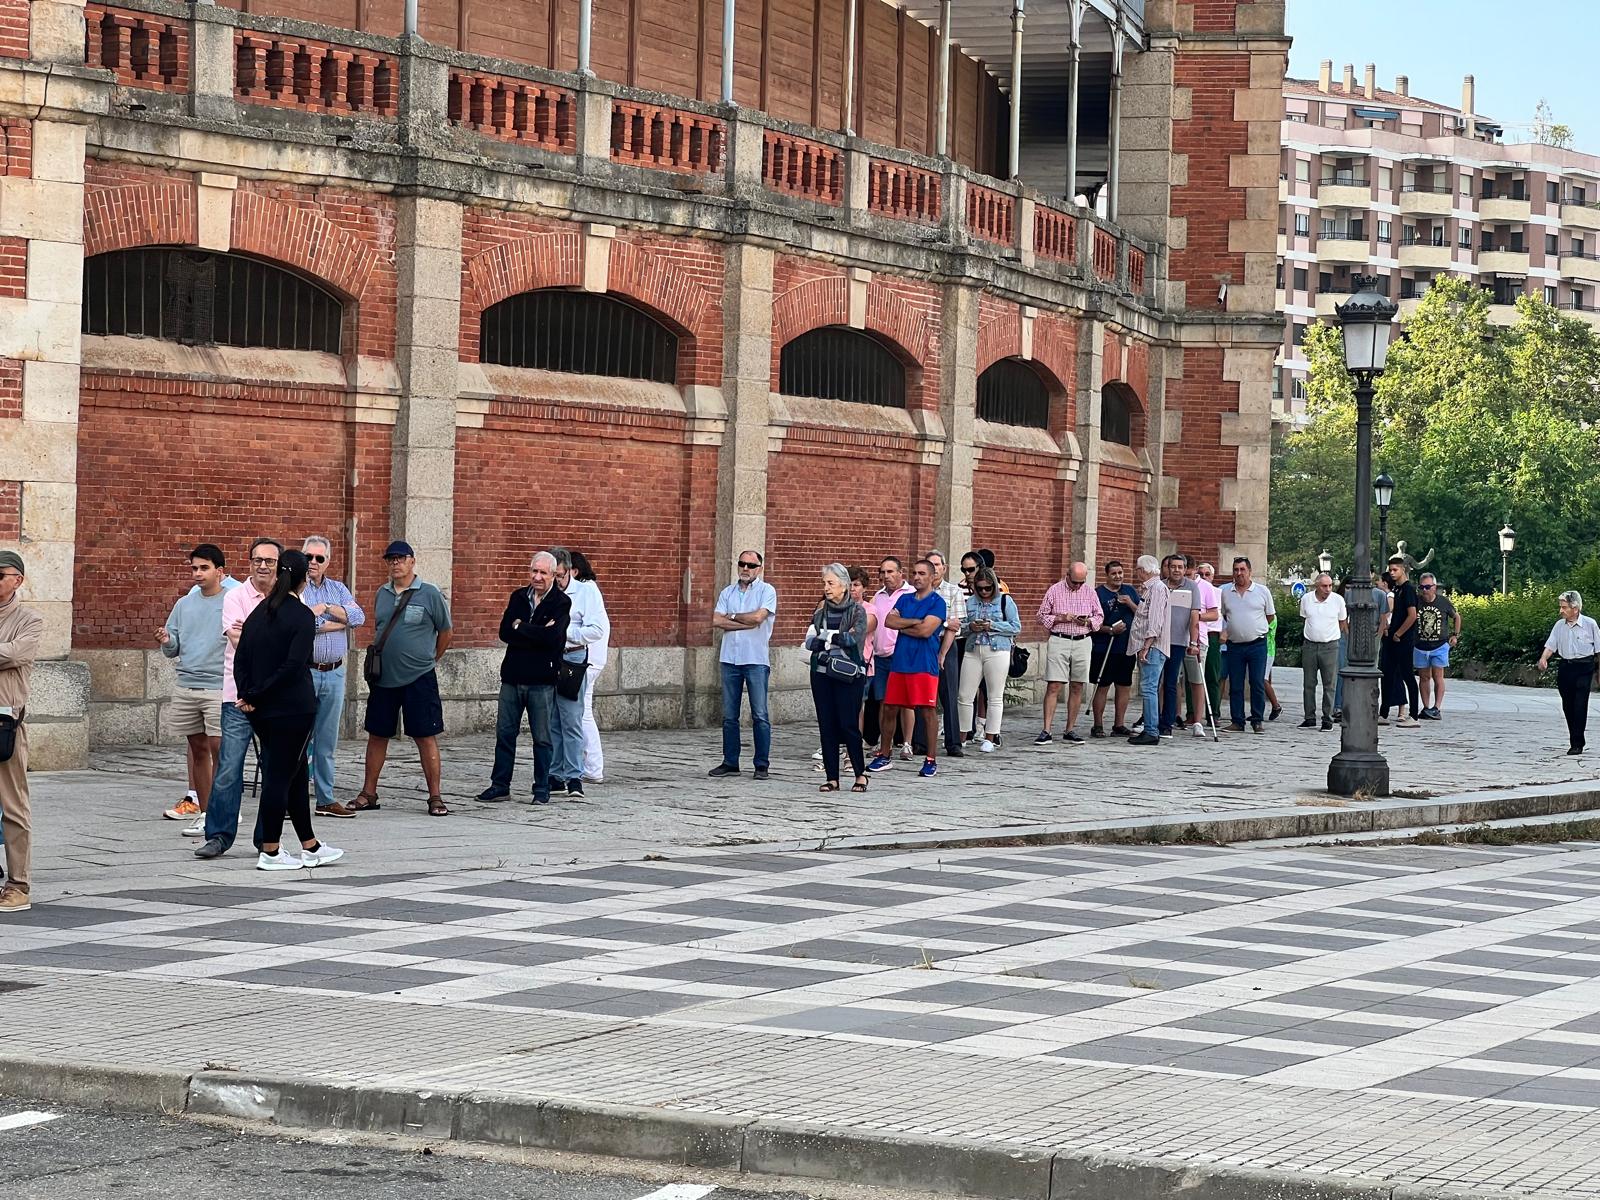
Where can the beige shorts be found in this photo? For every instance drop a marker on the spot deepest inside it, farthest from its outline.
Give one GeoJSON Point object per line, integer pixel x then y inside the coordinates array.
{"type": "Point", "coordinates": [194, 711]}
{"type": "Point", "coordinates": [1067, 660]}
{"type": "Point", "coordinates": [1194, 664]}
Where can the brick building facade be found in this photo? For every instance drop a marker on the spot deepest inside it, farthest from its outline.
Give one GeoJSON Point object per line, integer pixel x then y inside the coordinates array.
{"type": "Point", "coordinates": [249, 269]}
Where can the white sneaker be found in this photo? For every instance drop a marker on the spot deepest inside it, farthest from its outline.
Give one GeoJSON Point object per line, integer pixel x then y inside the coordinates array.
{"type": "Point", "coordinates": [985, 746]}
{"type": "Point", "coordinates": [905, 752]}
{"type": "Point", "coordinates": [594, 778]}
{"type": "Point", "coordinates": [321, 856]}
{"type": "Point", "coordinates": [1383, 720]}
{"type": "Point", "coordinates": [1408, 723]}
{"type": "Point", "coordinates": [198, 829]}
{"type": "Point", "coordinates": [1198, 730]}
{"type": "Point", "coordinates": [816, 756]}
{"type": "Point", "coordinates": [281, 861]}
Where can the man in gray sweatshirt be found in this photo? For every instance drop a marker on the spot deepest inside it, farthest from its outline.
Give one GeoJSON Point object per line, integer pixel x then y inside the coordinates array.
{"type": "Point", "coordinates": [193, 636]}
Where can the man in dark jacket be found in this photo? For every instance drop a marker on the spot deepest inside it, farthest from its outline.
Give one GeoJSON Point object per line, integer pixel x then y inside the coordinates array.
{"type": "Point", "coordinates": [534, 629]}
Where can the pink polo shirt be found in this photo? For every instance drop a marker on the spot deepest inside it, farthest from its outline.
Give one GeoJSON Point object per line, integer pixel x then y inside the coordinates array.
{"type": "Point", "coordinates": [885, 638]}
{"type": "Point", "coordinates": [237, 604]}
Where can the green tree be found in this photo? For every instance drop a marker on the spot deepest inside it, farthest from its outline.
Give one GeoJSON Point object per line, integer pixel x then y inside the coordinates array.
{"type": "Point", "coordinates": [1477, 425]}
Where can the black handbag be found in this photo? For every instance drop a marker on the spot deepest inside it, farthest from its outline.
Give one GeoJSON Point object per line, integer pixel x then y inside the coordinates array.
{"type": "Point", "coordinates": [8, 736]}
{"type": "Point", "coordinates": [372, 668]}
{"type": "Point", "coordinates": [835, 662]}
{"type": "Point", "coordinates": [569, 677]}
{"type": "Point", "coordinates": [1019, 663]}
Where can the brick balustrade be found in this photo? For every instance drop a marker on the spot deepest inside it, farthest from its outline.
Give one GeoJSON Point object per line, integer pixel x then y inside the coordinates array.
{"type": "Point", "coordinates": [517, 110]}
{"type": "Point", "coordinates": [1135, 270]}
{"type": "Point", "coordinates": [669, 138]}
{"type": "Point", "coordinates": [898, 190]}
{"type": "Point", "coordinates": [1105, 255]}
{"type": "Point", "coordinates": [801, 167]}
{"type": "Point", "coordinates": [991, 215]}
{"type": "Point", "coordinates": [1055, 234]}
{"type": "Point", "coordinates": [141, 49]}
{"type": "Point", "coordinates": [313, 76]}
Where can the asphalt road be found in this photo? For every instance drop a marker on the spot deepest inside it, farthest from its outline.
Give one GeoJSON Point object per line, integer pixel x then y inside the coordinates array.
{"type": "Point", "coordinates": [79, 1156]}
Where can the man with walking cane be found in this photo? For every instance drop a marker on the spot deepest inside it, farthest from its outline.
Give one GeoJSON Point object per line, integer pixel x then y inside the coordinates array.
{"type": "Point", "coordinates": [1110, 663]}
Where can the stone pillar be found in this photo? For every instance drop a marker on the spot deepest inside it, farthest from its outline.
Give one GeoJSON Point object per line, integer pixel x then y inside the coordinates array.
{"type": "Point", "coordinates": [958, 413]}
{"type": "Point", "coordinates": [746, 392]}
{"type": "Point", "coordinates": [211, 61]}
{"type": "Point", "coordinates": [421, 504]}
{"type": "Point", "coordinates": [1086, 488]}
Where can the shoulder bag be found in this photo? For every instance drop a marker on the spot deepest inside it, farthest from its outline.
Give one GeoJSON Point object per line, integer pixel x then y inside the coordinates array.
{"type": "Point", "coordinates": [372, 668]}
{"type": "Point", "coordinates": [1019, 655]}
{"type": "Point", "coordinates": [835, 662]}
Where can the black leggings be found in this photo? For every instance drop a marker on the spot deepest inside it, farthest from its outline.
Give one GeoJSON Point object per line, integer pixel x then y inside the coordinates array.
{"type": "Point", "coordinates": [285, 779]}
{"type": "Point", "coordinates": [838, 704]}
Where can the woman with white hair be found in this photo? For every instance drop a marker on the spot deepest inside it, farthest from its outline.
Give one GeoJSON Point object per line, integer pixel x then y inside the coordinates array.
{"type": "Point", "coordinates": [1576, 639]}
{"type": "Point", "coordinates": [838, 674]}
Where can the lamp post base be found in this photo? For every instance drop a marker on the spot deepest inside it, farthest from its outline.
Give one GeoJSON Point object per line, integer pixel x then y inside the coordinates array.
{"type": "Point", "coordinates": [1359, 768]}
{"type": "Point", "coordinates": [1358, 772]}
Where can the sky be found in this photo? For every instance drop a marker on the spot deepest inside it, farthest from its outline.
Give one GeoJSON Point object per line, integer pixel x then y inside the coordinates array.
{"type": "Point", "coordinates": [1519, 53]}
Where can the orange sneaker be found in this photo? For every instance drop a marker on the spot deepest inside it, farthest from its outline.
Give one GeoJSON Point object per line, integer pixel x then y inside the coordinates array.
{"type": "Point", "coordinates": [13, 899]}
{"type": "Point", "coordinates": [187, 809]}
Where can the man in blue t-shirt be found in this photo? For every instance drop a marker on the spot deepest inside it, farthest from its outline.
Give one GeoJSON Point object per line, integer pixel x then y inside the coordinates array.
{"type": "Point", "coordinates": [1110, 664]}
{"type": "Point", "coordinates": [917, 617]}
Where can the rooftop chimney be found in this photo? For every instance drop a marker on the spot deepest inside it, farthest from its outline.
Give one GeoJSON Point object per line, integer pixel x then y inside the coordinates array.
{"type": "Point", "coordinates": [1469, 100]}
{"type": "Point", "coordinates": [1402, 85]}
{"type": "Point", "coordinates": [1325, 77]}
{"type": "Point", "coordinates": [1349, 79]}
{"type": "Point", "coordinates": [1372, 82]}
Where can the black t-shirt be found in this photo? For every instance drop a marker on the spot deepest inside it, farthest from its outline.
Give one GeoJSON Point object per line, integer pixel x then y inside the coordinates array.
{"type": "Point", "coordinates": [1405, 599]}
{"type": "Point", "coordinates": [1436, 623]}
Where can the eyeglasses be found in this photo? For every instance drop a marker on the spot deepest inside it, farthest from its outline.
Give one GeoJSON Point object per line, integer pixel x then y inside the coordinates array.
{"type": "Point", "coordinates": [394, 558]}
{"type": "Point", "coordinates": [317, 558]}
{"type": "Point", "coordinates": [264, 562]}
{"type": "Point", "coordinates": [10, 575]}
{"type": "Point", "coordinates": [1428, 587]}
{"type": "Point", "coordinates": [744, 566]}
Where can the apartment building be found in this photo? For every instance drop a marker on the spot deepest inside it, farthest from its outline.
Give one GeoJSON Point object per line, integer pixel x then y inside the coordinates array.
{"type": "Point", "coordinates": [1378, 181]}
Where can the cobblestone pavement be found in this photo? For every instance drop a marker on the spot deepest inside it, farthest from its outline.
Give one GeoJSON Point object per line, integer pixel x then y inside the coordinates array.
{"type": "Point", "coordinates": [1429, 1016]}
{"type": "Point", "coordinates": [656, 793]}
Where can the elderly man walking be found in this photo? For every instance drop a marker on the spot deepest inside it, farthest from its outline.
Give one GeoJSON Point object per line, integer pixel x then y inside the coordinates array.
{"type": "Point", "coordinates": [336, 613]}
{"type": "Point", "coordinates": [1326, 621]}
{"type": "Point", "coordinates": [1070, 613]}
{"type": "Point", "coordinates": [534, 629]}
{"type": "Point", "coordinates": [1576, 638]}
{"type": "Point", "coordinates": [1149, 637]}
{"type": "Point", "coordinates": [20, 632]}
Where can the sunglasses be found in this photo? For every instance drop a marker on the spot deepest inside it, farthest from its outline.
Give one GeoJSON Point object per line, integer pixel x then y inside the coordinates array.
{"type": "Point", "coordinates": [744, 566]}
{"type": "Point", "coordinates": [317, 558]}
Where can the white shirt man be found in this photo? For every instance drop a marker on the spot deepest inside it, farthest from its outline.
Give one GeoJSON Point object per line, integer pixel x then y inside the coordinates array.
{"type": "Point", "coordinates": [1326, 620]}
{"type": "Point", "coordinates": [744, 614]}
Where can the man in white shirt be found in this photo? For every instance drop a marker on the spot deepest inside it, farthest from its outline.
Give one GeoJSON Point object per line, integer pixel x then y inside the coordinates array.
{"type": "Point", "coordinates": [1576, 638]}
{"type": "Point", "coordinates": [950, 650]}
{"type": "Point", "coordinates": [744, 614]}
{"type": "Point", "coordinates": [1326, 621]}
{"type": "Point", "coordinates": [1248, 609]}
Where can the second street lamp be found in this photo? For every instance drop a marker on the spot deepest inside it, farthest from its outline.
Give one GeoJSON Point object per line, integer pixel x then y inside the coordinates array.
{"type": "Point", "coordinates": [1383, 497]}
{"type": "Point", "coordinates": [1366, 322]}
{"type": "Point", "coordinates": [1508, 543]}
{"type": "Point", "coordinates": [1325, 563]}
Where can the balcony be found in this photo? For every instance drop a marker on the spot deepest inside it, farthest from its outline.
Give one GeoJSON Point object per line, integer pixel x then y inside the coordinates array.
{"type": "Point", "coordinates": [1332, 248]}
{"type": "Point", "coordinates": [1328, 301]}
{"type": "Point", "coordinates": [1425, 256]}
{"type": "Point", "coordinates": [1502, 315]}
{"type": "Point", "coordinates": [1580, 216]}
{"type": "Point", "coordinates": [1503, 262]}
{"type": "Point", "coordinates": [1409, 305]}
{"type": "Point", "coordinates": [1581, 266]}
{"type": "Point", "coordinates": [1344, 192]}
{"type": "Point", "coordinates": [1503, 208]}
{"type": "Point", "coordinates": [1583, 312]}
{"type": "Point", "coordinates": [1425, 201]}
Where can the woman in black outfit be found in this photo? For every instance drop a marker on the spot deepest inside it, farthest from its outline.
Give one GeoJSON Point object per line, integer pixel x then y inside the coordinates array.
{"type": "Point", "coordinates": [272, 667]}
{"type": "Point", "coordinates": [838, 627]}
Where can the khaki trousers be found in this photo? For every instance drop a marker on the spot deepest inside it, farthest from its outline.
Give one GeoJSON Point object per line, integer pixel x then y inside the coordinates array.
{"type": "Point", "coordinates": [14, 812]}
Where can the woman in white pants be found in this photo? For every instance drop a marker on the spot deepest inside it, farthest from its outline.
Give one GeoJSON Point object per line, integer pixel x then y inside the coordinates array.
{"type": "Point", "coordinates": [594, 757]}
{"type": "Point", "coordinates": [991, 623]}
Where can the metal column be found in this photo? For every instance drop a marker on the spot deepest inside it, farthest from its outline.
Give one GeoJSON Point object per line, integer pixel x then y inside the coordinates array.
{"type": "Point", "coordinates": [1114, 119]}
{"type": "Point", "coordinates": [941, 139]}
{"type": "Point", "coordinates": [850, 65]}
{"type": "Point", "coordinates": [1016, 88]}
{"type": "Point", "coordinates": [727, 51]}
{"type": "Point", "coordinates": [1074, 61]}
{"type": "Point", "coordinates": [585, 23]}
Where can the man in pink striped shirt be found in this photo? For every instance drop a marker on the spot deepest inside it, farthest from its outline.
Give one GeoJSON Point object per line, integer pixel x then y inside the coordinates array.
{"type": "Point", "coordinates": [1070, 613]}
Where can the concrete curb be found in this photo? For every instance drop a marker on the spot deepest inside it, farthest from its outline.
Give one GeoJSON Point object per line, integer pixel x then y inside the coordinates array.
{"type": "Point", "coordinates": [990, 1170]}
{"type": "Point", "coordinates": [1300, 821]}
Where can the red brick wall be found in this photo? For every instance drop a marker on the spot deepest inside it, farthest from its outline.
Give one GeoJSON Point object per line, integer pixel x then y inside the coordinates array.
{"type": "Point", "coordinates": [13, 28]}
{"type": "Point", "coordinates": [174, 462]}
{"type": "Point", "coordinates": [1215, 16]}
{"type": "Point", "coordinates": [16, 147]}
{"type": "Point", "coordinates": [10, 510]}
{"type": "Point", "coordinates": [1198, 523]}
{"type": "Point", "coordinates": [10, 387]}
{"type": "Point", "coordinates": [13, 267]}
{"type": "Point", "coordinates": [619, 485]}
{"type": "Point", "coordinates": [1209, 138]}
{"type": "Point", "coordinates": [1022, 512]}
{"type": "Point", "coordinates": [1122, 500]}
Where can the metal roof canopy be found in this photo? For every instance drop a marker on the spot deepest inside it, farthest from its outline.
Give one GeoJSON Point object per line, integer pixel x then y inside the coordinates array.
{"type": "Point", "coordinates": [982, 28]}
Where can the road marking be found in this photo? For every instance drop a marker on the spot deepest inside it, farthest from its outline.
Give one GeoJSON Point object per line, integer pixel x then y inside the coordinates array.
{"type": "Point", "coordinates": [680, 1191]}
{"type": "Point", "coordinates": [23, 1119]}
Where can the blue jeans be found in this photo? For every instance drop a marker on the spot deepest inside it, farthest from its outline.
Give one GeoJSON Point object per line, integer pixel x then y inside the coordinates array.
{"type": "Point", "coordinates": [567, 733]}
{"type": "Point", "coordinates": [227, 788]}
{"type": "Point", "coordinates": [1151, 672]}
{"type": "Point", "coordinates": [538, 701]}
{"type": "Point", "coordinates": [1171, 679]}
{"type": "Point", "coordinates": [1251, 658]}
{"type": "Point", "coordinates": [753, 679]}
{"type": "Point", "coordinates": [329, 686]}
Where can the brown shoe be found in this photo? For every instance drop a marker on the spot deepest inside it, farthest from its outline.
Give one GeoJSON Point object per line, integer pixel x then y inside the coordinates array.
{"type": "Point", "coordinates": [336, 809]}
{"type": "Point", "coordinates": [14, 900]}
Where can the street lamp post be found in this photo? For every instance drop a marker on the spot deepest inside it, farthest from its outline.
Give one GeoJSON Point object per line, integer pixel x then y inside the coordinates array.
{"type": "Point", "coordinates": [1508, 543]}
{"type": "Point", "coordinates": [1325, 564]}
{"type": "Point", "coordinates": [1366, 321]}
{"type": "Point", "coordinates": [1383, 497]}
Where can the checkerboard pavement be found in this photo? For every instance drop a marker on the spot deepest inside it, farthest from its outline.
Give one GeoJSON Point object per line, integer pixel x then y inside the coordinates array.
{"type": "Point", "coordinates": [1423, 1015]}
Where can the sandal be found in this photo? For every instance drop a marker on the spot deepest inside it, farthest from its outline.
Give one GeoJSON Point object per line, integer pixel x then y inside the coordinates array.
{"type": "Point", "coordinates": [861, 784]}
{"type": "Point", "coordinates": [831, 786]}
{"type": "Point", "coordinates": [364, 802]}
{"type": "Point", "coordinates": [436, 807]}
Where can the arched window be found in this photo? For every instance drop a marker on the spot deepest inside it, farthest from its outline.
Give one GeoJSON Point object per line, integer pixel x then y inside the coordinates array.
{"type": "Point", "coordinates": [1118, 404]}
{"type": "Point", "coordinates": [1011, 392]}
{"type": "Point", "coordinates": [582, 333]}
{"type": "Point", "coordinates": [205, 299]}
{"type": "Point", "coordinates": [837, 363]}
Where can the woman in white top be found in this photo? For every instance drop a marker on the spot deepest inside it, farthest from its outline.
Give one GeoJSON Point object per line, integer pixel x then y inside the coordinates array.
{"type": "Point", "coordinates": [594, 758]}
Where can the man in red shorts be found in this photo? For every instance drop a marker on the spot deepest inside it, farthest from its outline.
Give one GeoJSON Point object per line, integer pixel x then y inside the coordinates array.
{"type": "Point", "coordinates": [918, 617]}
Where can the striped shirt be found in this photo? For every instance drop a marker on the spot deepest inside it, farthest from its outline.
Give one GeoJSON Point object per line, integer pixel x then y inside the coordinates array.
{"type": "Point", "coordinates": [1151, 620]}
{"type": "Point", "coordinates": [333, 646]}
{"type": "Point", "coordinates": [1063, 602]}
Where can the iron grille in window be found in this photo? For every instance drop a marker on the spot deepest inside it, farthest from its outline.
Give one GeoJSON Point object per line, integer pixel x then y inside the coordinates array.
{"type": "Point", "coordinates": [836, 363]}
{"type": "Point", "coordinates": [1116, 414]}
{"type": "Point", "coordinates": [1011, 393]}
{"type": "Point", "coordinates": [204, 299]}
{"type": "Point", "coordinates": [584, 333]}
